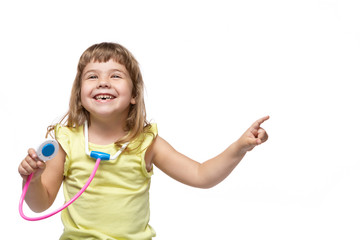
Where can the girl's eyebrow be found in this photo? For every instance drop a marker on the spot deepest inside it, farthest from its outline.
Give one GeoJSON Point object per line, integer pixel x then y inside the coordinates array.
{"type": "Point", "coordinates": [117, 70]}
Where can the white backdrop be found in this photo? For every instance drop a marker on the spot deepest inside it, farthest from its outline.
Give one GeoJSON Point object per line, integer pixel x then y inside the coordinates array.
{"type": "Point", "coordinates": [211, 68]}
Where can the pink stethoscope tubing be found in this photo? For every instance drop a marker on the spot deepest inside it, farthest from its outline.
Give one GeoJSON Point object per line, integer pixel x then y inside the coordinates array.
{"type": "Point", "coordinates": [65, 205]}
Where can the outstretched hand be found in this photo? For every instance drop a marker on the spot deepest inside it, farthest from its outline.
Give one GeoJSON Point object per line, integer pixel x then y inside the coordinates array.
{"type": "Point", "coordinates": [254, 136]}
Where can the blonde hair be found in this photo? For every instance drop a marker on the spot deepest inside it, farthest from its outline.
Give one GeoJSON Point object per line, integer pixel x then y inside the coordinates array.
{"type": "Point", "coordinates": [136, 122]}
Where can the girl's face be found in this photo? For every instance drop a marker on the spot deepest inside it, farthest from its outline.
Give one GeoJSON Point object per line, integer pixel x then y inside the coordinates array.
{"type": "Point", "coordinates": [106, 90]}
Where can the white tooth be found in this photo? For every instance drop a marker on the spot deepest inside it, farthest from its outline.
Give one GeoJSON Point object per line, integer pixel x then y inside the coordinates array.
{"type": "Point", "coordinates": [103, 96]}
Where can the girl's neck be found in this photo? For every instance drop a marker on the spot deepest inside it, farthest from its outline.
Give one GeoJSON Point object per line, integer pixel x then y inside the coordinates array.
{"type": "Point", "coordinates": [105, 131]}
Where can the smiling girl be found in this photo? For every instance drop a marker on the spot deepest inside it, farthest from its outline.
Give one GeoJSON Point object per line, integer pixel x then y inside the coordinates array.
{"type": "Point", "coordinates": [108, 95]}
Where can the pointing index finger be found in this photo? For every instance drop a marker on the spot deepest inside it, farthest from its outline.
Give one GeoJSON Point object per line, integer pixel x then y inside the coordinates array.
{"type": "Point", "coordinates": [260, 121]}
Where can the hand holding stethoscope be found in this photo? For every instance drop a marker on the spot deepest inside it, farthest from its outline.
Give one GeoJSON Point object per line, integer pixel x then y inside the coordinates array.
{"type": "Point", "coordinates": [48, 150]}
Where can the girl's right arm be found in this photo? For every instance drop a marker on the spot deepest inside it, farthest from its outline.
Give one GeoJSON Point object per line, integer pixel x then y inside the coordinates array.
{"type": "Point", "coordinates": [46, 180]}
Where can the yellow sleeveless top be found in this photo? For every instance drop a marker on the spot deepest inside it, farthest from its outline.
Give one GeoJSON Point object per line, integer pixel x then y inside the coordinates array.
{"type": "Point", "coordinates": [116, 204]}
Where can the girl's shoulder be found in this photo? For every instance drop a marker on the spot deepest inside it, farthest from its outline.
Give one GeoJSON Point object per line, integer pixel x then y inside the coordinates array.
{"type": "Point", "coordinates": [61, 130]}
{"type": "Point", "coordinates": [151, 128]}
{"type": "Point", "coordinates": [144, 140]}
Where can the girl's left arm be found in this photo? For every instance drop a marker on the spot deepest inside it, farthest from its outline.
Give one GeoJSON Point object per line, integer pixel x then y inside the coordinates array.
{"type": "Point", "coordinates": [213, 171]}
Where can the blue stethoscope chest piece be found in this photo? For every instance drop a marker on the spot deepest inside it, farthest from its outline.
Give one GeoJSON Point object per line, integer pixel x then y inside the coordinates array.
{"type": "Point", "coordinates": [47, 150]}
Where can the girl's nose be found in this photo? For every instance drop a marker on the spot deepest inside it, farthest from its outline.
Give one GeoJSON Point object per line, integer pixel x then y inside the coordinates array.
{"type": "Point", "coordinates": [103, 83]}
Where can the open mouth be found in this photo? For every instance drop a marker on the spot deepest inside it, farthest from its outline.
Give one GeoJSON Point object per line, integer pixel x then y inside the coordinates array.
{"type": "Point", "coordinates": [103, 97]}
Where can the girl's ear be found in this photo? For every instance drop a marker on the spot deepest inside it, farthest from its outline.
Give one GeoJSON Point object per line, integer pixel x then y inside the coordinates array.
{"type": "Point", "coordinates": [133, 101]}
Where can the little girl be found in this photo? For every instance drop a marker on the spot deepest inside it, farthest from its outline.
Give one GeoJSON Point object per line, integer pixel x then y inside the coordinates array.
{"type": "Point", "coordinates": [107, 96]}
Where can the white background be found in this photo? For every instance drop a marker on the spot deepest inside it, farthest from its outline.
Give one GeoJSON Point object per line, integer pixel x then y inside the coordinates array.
{"type": "Point", "coordinates": [211, 68]}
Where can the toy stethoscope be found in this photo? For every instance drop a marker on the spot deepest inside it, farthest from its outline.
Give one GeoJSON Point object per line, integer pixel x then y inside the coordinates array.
{"type": "Point", "coordinates": [48, 150]}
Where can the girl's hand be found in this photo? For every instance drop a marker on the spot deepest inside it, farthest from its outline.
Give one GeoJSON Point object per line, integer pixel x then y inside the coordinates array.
{"type": "Point", "coordinates": [31, 164]}
{"type": "Point", "coordinates": [254, 136]}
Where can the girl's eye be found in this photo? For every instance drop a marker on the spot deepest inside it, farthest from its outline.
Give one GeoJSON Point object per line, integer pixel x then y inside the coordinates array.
{"type": "Point", "coordinates": [116, 76]}
{"type": "Point", "coordinates": [92, 77]}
